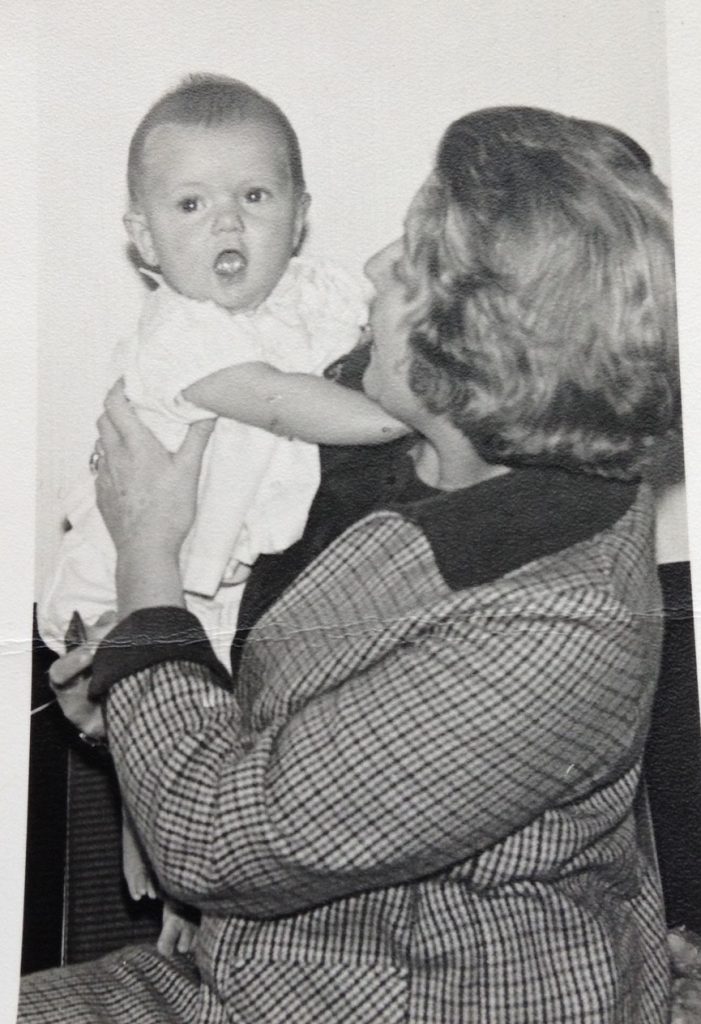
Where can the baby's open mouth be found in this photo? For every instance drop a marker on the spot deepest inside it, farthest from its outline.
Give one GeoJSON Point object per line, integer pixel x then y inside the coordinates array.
{"type": "Point", "coordinates": [229, 263]}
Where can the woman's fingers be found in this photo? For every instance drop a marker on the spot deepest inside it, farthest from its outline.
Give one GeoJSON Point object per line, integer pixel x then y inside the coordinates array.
{"type": "Point", "coordinates": [76, 704]}
{"type": "Point", "coordinates": [108, 435]}
{"type": "Point", "coordinates": [66, 669]}
{"type": "Point", "coordinates": [192, 449]}
{"type": "Point", "coordinates": [146, 493]}
{"type": "Point", "coordinates": [105, 623]}
{"type": "Point", "coordinates": [120, 420]}
{"type": "Point", "coordinates": [71, 665]}
{"type": "Point", "coordinates": [118, 407]}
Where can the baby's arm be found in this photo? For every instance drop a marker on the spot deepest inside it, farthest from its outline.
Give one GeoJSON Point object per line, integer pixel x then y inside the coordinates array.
{"type": "Point", "coordinates": [294, 405]}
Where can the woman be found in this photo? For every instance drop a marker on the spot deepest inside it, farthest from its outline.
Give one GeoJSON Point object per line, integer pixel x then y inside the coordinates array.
{"type": "Point", "coordinates": [419, 803]}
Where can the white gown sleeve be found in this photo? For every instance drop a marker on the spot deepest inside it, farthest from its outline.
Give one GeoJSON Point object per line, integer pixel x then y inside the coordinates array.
{"type": "Point", "coordinates": [179, 342]}
{"type": "Point", "coordinates": [83, 577]}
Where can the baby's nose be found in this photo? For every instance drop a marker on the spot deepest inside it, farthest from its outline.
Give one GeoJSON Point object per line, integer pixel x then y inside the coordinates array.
{"type": "Point", "coordinates": [228, 216]}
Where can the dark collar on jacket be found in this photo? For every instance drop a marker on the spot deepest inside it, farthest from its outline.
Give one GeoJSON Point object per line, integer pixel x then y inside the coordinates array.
{"type": "Point", "coordinates": [482, 532]}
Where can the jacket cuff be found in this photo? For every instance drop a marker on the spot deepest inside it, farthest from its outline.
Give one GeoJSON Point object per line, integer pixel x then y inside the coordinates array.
{"type": "Point", "coordinates": [149, 637]}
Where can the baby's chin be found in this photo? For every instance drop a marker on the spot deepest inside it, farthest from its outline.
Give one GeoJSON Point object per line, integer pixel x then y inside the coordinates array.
{"type": "Point", "coordinates": [236, 300]}
{"type": "Point", "coordinates": [232, 289]}
{"type": "Point", "coordinates": [234, 297]}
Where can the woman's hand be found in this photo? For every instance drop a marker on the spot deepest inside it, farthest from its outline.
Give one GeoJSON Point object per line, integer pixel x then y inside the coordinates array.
{"type": "Point", "coordinates": [145, 493]}
{"type": "Point", "coordinates": [147, 497]}
{"type": "Point", "coordinates": [69, 677]}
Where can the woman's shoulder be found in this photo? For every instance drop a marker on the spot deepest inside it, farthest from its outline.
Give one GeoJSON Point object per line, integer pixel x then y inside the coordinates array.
{"type": "Point", "coordinates": [483, 533]}
{"type": "Point", "coordinates": [481, 546]}
{"type": "Point", "coordinates": [602, 580]}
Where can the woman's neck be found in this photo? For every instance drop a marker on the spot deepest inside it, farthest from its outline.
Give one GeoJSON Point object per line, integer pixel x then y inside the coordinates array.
{"type": "Point", "coordinates": [447, 460]}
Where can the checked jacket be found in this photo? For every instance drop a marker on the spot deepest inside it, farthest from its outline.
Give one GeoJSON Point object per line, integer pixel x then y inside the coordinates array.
{"type": "Point", "coordinates": [419, 803]}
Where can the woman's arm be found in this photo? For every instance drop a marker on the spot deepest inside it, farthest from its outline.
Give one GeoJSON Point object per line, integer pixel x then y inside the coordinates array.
{"type": "Point", "coordinates": [294, 405]}
{"type": "Point", "coordinates": [433, 753]}
{"type": "Point", "coordinates": [146, 496]}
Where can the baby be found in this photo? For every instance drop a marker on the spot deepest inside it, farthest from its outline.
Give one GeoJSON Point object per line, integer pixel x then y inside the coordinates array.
{"type": "Point", "coordinates": [238, 328]}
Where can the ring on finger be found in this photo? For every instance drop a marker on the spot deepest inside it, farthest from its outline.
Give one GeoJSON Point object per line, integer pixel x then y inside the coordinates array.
{"type": "Point", "coordinates": [94, 460]}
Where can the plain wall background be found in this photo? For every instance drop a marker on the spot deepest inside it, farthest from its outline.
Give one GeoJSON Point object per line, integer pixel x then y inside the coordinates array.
{"type": "Point", "coordinates": [368, 85]}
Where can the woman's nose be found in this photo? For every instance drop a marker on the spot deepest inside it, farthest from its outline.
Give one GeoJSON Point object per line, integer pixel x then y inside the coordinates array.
{"type": "Point", "coordinates": [382, 261]}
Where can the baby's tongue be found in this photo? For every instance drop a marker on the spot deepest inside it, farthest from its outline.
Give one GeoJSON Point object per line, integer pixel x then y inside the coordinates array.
{"type": "Point", "coordinates": [229, 263]}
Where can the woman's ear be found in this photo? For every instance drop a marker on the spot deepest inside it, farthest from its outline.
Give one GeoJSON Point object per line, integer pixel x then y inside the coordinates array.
{"type": "Point", "coordinates": [138, 230]}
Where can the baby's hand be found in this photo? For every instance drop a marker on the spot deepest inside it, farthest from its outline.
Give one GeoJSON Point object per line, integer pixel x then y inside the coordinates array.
{"type": "Point", "coordinates": [136, 871]}
{"type": "Point", "coordinates": [178, 932]}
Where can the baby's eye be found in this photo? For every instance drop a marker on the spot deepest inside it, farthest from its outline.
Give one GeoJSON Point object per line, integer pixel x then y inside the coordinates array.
{"type": "Point", "coordinates": [189, 204]}
{"type": "Point", "coordinates": [257, 195]}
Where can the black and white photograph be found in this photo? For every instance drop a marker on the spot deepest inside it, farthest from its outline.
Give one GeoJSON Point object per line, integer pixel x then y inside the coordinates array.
{"type": "Point", "coordinates": [349, 566]}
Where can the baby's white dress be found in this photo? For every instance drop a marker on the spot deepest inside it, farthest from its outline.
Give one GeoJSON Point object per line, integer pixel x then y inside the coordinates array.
{"type": "Point", "coordinates": [255, 488]}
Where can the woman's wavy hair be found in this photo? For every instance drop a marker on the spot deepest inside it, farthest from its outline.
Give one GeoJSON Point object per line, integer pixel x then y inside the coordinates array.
{"type": "Point", "coordinates": [544, 247]}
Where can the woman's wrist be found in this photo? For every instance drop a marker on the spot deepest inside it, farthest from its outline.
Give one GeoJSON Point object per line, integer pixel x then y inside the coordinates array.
{"type": "Point", "coordinates": [147, 578]}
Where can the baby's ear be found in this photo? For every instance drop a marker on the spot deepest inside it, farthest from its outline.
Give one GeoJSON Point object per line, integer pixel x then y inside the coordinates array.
{"type": "Point", "coordinates": [138, 230]}
{"type": "Point", "coordinates": [301, 221]}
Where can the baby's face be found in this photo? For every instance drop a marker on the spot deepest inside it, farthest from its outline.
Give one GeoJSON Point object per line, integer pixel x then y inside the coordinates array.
{"type": "Point", "coordinates": [218, 211]}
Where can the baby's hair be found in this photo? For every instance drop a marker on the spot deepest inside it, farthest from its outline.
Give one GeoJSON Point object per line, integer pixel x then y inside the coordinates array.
{"type": "Point", "coordinates": [212, 101]}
